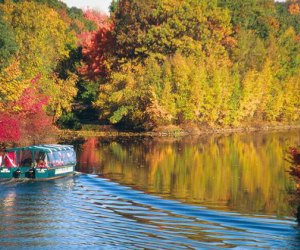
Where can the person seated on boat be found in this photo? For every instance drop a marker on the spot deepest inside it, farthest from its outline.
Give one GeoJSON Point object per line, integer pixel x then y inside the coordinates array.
{"type": "Point", "coordinates": [26, 162]}
{"type": "Point", "coordinates": [41, 164]}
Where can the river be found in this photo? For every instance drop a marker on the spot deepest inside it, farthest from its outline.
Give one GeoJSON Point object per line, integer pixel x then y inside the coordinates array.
{"type": "Point", "coordinates": [208, 192]}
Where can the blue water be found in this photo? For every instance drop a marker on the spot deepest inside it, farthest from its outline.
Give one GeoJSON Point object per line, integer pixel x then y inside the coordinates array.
{"type": "Point", "coordinates": [88, 212]}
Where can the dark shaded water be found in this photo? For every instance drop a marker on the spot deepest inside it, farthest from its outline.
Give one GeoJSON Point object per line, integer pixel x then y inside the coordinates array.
{"type": "Point", "coordinates": [201, 193]}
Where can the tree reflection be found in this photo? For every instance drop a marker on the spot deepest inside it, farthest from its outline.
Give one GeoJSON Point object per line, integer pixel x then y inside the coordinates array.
{"type": "Point", "coordinates": [294, 171]}
{"type": "Point", "coordinates": [245, 173]}
{"type": "Point", "coordinates": [295, 167]}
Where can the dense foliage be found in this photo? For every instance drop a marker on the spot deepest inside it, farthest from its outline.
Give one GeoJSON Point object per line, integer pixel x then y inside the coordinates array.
{"type": "Point", "coordinates": [212, 63]}
{"type": "Point", "coordinates": [152, 62]}
{"type": "Point", "coordinates": [8, 46]}
{"type": "Point", "coordinates": [36, 39]}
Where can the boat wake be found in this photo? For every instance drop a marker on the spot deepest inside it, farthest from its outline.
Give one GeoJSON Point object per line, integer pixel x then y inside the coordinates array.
{"type": "Point", "coordinates": [225, 227]}
{"type": "Point", "coordinates": [86, 211]}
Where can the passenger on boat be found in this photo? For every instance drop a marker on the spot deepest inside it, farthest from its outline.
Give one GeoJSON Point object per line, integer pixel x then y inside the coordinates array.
{"type": "Point", "coordinates": [25, 157]}
{"type": "Point", "coordinates": [41, 164]}
{"type": "Point", "coordinates": [26, 162]}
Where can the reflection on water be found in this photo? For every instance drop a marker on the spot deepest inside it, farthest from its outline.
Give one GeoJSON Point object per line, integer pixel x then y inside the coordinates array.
{"type": "Point", "coordinates": [241, 172]}
{"type": "Point", "coordinates": [190, 193]}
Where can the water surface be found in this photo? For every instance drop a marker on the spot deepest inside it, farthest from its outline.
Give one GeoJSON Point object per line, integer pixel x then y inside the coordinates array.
{"type": "Point", "coordinates": [160, 193]}
{"type": "Point", "coordinates": [246, 173]}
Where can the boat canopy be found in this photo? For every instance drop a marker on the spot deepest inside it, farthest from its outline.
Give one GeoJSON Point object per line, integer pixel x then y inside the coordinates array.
{"type": "Point", "coordinates": [47, 148]}
{"type": "Point", "coordinates": [46, 155]}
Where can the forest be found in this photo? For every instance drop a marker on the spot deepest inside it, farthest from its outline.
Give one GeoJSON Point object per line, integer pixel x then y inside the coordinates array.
{"type": "Point", "coordinates": [148, 64]}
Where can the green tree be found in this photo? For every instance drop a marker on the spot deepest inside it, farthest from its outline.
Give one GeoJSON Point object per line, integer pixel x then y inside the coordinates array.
{"type": "Point", "coordinates": [285, 18]}
{"type": "Point", "coordinates": [8, 46]}
{"type": "Point", "coordinates": [251, 14]}
{"type": "Point", "coordinates": [163, 28]}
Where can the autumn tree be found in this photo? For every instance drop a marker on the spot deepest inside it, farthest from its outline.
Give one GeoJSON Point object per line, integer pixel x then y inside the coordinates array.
{"type": "Point", "coordinates": [61, 93]}
{"type": "Point", "coordinates": [42, 37]}
{"type": "Point", "coordinates": [24, 115]}
{"type": "Point", "coordinates": [151, 63]}
{"type": "Point", "coordinates": [34, 122]}
{"type": "Point", "coordinates": [96, 46]}
{"type": "Point", "coordinates": [294, 7]}
{"type": "Point", "coordinates": [251, 14]}
{"type": "Point", "coordinates": [79, 23]}
{"type": "Point", "coordinates": [164, 28]}
{"type": "Point", "coordinates": [12, 87]}
{"type": "Point", "coordinates": [174, 35]}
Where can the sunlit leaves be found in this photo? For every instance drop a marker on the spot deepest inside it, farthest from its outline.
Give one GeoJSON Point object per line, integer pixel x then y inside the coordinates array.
{"type": "Point", "coordinates": [41, 35]}
{"type": "Point", "coordinates": [61, 93]}
{"type": "Point", "coordinates": [294, 7]}
{"type": "Point", "coordinates": [154, 62]}
{"type": "Point", "coordinates": [178, 62]}
{"type": "Point", "coordinates": [96, 46]}
{"type": "Point", "coordinates": [12, 86]}
{"type": "Point", "coordinates": [24, 114]}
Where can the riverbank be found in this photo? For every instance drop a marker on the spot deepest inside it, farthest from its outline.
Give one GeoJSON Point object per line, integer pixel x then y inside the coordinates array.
{"type": "Point", "coordinates": [167, 131]}
{"type": "Point", "coordinates": [107, 131]}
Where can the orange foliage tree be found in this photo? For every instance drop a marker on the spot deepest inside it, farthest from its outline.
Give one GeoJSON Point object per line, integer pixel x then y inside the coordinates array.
{"type": "Point", "coordinates": [96, 46]}
{"type": "Point", "coordinates": [294, 7]}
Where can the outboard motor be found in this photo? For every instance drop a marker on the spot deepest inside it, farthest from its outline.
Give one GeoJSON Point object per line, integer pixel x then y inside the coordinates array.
{"type": "Point", "coordinates": [17, 173]}
{"type": "Point", "coordinates": [31, 173]}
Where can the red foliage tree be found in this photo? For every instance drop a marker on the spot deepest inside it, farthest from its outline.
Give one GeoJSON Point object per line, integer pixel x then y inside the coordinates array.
{"type": "Point", "coordinates": [100, 19]}
{"type": "Point", "coordinates": [31, 117]}
{"type": "Point", "coordinates": [9, 128]}
{"type": "Point", "coordinates": [96, 46]}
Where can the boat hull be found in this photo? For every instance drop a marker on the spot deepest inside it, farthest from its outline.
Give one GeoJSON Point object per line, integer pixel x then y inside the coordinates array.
{"type": "Point", "coordinates": [36, 173]}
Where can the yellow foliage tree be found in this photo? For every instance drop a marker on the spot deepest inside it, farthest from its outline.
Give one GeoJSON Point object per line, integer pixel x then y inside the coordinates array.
{"type": "Point", "coordinates": [41, 35]}
{"type": "Point", "coordinates": [61, 94]}
{"type": "Point", "coordinates": [12, 86]}
{"type": "Point", "coordinates": [291, 99]}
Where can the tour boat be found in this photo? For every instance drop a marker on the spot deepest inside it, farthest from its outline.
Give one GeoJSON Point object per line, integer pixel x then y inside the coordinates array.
{"type": "Point", "coordinates": [38, 162]}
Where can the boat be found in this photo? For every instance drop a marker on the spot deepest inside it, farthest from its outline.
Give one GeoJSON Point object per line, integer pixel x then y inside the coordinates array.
{"type": "Point", "coordinates": [38, 162]}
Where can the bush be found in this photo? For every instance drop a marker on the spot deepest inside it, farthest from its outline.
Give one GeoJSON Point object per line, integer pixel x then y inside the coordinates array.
{"type": "Point", "coordinates": [69, 121]}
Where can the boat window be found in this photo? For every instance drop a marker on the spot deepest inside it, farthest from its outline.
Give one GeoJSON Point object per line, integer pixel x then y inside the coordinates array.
{"type": "Point", "coordinates": [26, 158]}
{"type": "Point", "coordinates": [60, 158]}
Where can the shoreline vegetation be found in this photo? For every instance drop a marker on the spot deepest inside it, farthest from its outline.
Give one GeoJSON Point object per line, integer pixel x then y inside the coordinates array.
{"type": "Point", "coordinates": [170, 131]}
{"type": "Point", "coordinates": [157, 66]}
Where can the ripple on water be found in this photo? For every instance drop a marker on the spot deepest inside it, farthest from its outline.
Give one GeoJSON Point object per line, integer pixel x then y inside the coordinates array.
{"type": "Point", "coordinates": [90, 212]}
